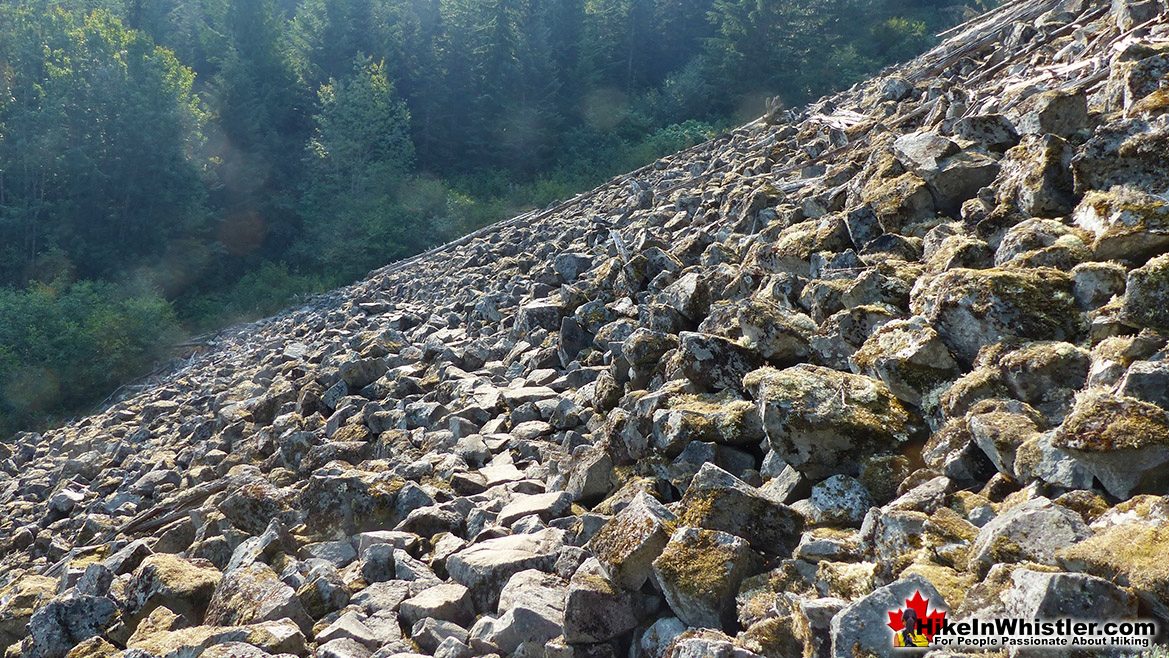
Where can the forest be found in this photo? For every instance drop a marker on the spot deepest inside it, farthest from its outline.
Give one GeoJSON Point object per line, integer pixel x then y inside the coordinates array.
{"type": "Point", "coordinates": [170, 167]}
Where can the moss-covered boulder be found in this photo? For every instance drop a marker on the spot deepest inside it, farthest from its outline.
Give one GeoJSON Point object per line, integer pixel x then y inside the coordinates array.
{"type": "Point", "coordinates": [824, 422]}
{"type": "Point", "coordinates": [182, 585]}
{"type": "Point", "coordinates": [1029, 532]}
{"type": "Point", "coordinates": [974, 308]}
{"type": "Point", "coordinates": [1000, 427]}
{"type": "Point", "coordinates": [18, 600]}
{"type": "Point", "coordinates": [700, 572]}
{"type": "Point", "coordinates": [779, 334]}
{"type": "Point", "coordinates": [1127, 223]}
{"type": "Point", "coordinates": [909, 356]}
{"type": "Point", "coordinates": [717, 500]}
{"type": "Point", "coordinates": [792, 250]}
{"type": "Point", "coordinates": [274, 637]}
{"type": "Point", "coordinates": [724, 419]}
{"type": "Point", "coordinates": [1035, 177]}
{"type": "Point", "coordinates": [1130, 548]}
{"type": "Point", "coordinates": [1123, 441]}
{"type": "Point", "coordinates": [628, 544]}
{"type": "Point", "coordinates": [1046, 373]}
{"type": "Point", "coordinates": [1146, 295]}
{"type": "Point", "coordinates": [712, 363]}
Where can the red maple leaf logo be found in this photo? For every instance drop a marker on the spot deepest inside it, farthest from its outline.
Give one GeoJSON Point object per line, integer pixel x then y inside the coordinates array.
{"type": "Point", "coordinates": [931, 620]}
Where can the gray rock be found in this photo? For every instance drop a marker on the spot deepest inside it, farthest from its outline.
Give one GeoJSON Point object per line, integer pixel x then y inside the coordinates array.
{"type": "Point", "coordinates": [822, 422]}
{"type": "Point", "coordinates": [1056, 113]}
{"type": "Point", "coordinates": [629, 543]}
{"type": "Point", "coordinates": [1032, 531]}
{"type": "Point", "coordinates": [699, 573]}
{"type": "Point", "coordinates": [838, 501]}
{"type": "Point", "coordinates": [61, 624]}
{"type": "Point", "coordinates": [254, 594]}
{"type": "Point", "coordinates": [596, 610]}
{"type": "Point", "coordinates": [717, 500]}
{"type": "Point", "coordinates": [448, 602]}
{"type": "Point", "coordinates": [714, 363]}
{"type": "Point", "coordinates": [485, 568]}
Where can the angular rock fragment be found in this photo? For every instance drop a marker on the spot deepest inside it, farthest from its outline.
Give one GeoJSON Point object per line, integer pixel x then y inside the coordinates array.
{"type": "Point", "coordinates": [822, 422]}
{"type": "Point", "coordinates": [700, 572]}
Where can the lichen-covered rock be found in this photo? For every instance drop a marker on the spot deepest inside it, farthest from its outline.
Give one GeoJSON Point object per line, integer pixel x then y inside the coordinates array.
{"type": "Point", "coordinates": [18, 600]}
{"type": "Point", "coordinates": [823, 422]}
{"type": "Point", "coordinates": [254, 594]}
{"type": "Point", "coordinates": [1146, 295]}
{"type": "Point", "coordinates": [596, 609]}
{"type": "Point", "coordinates": [1036, 177]}
{"type": "Point", "coordinates": [700, 572]}
{"type": "Point", "coordinates": [779, 334]}
{"type": "Point", "coordinates": [1129, 547]}
{"type": "Point", "coordinates": [909, 357]}
{"type": "Point", "coordinates": [1124, 442]}
{"type": "Point", "coordinates": [717, 500]}
{"type": "Point", "coordinates": [991, 131]}
{"type": "Point", "coordinates": [1032, 531]}
{"type": "Point", "coordinates": [860, 629]}
{"type": "Point", "coordinates": [273, 637]}
{"type": "Point", "coordinates": [64, 622]}
{"type": "Point", "coordinates": [837, 501]}
{"type": "Point", "coordinates": [1057, 113]}
{"type": "Point", "coordinates": [1126, 222]}
{"type": "Point", "coordinates": [974, 308]}
{"type": "Point", "coordinates": [484, 568]}
{"type": "Point", "coordinates": [714, 363]}
{"type": "Point", "coordinates": [181, 585]}
{"type": "Point", "coordinates": [628, 544]}
{"type": "Point", "coordinates": [723, 419]}
{"type": "Point", "coordinates": [1126, 152]}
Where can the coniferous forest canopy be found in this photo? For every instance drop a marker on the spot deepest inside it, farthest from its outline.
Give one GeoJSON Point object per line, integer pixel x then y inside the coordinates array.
{"type": "Point", "coordinates": [168, 167]}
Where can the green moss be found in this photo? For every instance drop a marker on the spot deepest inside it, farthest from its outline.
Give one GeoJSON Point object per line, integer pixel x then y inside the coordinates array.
{"type": "Point", "coordinates": [1134, 554]}
{"type": "Point", "coordinates": [1102, 422]}
{"type": "Point", "coordinates": [697, 567]}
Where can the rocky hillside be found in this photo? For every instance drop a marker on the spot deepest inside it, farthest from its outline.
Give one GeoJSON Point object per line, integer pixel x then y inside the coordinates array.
{"type": "Point", "coordinates": [742, 402]}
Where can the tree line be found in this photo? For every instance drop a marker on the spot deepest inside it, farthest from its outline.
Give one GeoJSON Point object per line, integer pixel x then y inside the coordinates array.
{"type": "Point", "coordinates": [170, 166]}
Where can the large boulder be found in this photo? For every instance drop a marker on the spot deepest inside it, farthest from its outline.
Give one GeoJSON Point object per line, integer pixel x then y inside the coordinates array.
{"type": "Point", "coordinates": [717, 500]}
{"type": "Point", "coordinates": [861, 628]}
{"type": "Point", "coordinates": [1029, 532]}
{"type": "Point", "coordinates": [1146, 295]}
{"type": "Point", "coordinates": [823, 422]}
{"type": "Point", "coordinates": [1123, 441]}
{"type": "Point", "coordinates": [628, 544]}
{"type": "Point", "coordinates": [1035, 177]}
{"type": "Point", "coordinates": [909, 357]}
{"type": "Point", "coordinates": [1127, 223]}
{"type": "Point", "coordinates": [700, 572]}
{"type": "Point", "coordinates": [254, 594]}
{"type": "Point", "coordinates": [712, 362]}
{"type": "Point", "coordinates": [181, 585]}
{"type": "Point", "coordinates": [484, 568]}
{"type": "Point", "coordinates": [974, 308]}
{"type": "Point", "coordinates": [1130, 547]}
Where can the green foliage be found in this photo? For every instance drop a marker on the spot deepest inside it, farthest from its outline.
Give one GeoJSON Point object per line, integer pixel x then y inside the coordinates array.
{"type": "Point", "coordinates": [64, 346]}
{"type": "Point", "coordinates": [262, 291]}
{"type": "Point", "coordinates": [99, 141]}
